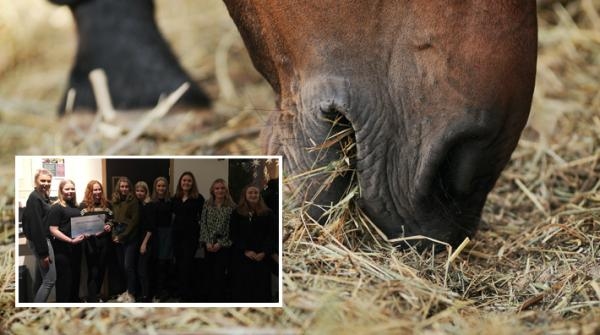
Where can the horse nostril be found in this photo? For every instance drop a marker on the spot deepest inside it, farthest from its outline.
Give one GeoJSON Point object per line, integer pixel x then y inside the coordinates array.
{"type": "Point", "coordinates": [465, 171]}
{"type": "Point", "coordinates": [331, 108]}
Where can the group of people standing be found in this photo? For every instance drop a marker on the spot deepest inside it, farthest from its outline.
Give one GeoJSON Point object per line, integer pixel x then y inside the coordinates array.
{"type": "Point", "coordinates": [153, 246]}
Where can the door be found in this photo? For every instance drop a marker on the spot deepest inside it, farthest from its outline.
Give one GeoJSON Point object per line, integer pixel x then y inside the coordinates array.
{"type": "Point", "coordinates": [136, 169]}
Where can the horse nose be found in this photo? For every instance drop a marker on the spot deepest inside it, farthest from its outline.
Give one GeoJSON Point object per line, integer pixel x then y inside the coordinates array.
{"type": "Point", "coordinates": [463, 162]}
{"type": "Point", "coordinates": [466, 169]}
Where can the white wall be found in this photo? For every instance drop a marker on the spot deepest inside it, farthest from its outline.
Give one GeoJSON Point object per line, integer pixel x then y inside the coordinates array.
{"type": "Point", "coordinates": [80, 169]}
{"type": "Point", "coordinates": [23, 179]}
{"type": "Point", "coordinates": [205, 171]}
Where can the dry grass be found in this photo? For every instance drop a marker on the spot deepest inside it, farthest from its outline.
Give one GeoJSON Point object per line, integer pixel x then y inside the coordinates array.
{"type": "Point", "coordinates": [534, 267]}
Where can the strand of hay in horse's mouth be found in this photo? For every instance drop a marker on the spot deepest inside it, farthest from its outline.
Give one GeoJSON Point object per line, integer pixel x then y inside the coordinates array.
{"type": "Point", "coordinates": [343, 220]}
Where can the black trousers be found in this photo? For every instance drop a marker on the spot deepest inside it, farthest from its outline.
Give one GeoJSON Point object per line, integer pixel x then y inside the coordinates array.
{"type": "Point", "coordinates": [144, 269]}
{"type": "Point", "coordinates": [216, 277]}
{"type": "Point", "coordinates": [184, 248]}
{"type": "Point", "coordinates": [96, 253]}
{"type": "Point", "coordinates": [163, 278]}
{"type": "Point", "coordinates": [116, 276]}
{"type": "Point", "coordinates": [251, 280]}
{"type": "Point", "coordinates": [68, 270]}
{"type": "Point", "coordinates": [127, 253]}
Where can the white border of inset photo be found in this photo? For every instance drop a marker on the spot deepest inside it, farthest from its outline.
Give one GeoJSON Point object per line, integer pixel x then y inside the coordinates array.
{"type": "Point", "coordinates": [82, 169]}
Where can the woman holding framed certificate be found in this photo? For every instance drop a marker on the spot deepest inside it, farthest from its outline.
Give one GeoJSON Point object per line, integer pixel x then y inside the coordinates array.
{"type": "Point", "coordinates": [67, 250]}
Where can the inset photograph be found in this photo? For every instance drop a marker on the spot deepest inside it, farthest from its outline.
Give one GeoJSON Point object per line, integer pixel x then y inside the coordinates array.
{"type": "Point", "coordinates": [148, 231]}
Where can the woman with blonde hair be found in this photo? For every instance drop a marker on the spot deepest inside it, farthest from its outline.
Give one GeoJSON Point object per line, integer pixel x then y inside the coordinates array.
{"type": "Point", "coordinates": [146, 228]}
{"type": "Point", "coordinates": [126, 220]}
{"type": "Point", "coordinates": [67, 249]}
{"type": "Point", "coordinates": [252, 241]}
{"type": "Point", "coordinates": [187, 207]}
{"type": "Point", "coordinates": [162, 212]}
{"type": "Point", "coordinates": [214, 237]}
{"type": "Point", "coordinates": [36, 230]}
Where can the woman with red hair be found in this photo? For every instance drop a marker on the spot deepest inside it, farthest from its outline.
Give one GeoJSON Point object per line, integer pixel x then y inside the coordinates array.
{"type": "Point", "coordinates": [96, 246]}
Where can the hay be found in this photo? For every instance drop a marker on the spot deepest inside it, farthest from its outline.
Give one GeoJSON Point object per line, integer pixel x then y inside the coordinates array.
{"type": "Point", "coordinates": [533, 267]}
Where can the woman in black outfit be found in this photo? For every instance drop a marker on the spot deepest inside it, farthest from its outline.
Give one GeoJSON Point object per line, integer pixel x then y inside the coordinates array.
{"type": "Point", "coordinates": [146, 240]}
{"type": "Point", "coordinates": [162, 213]}
{"type": "Point", "coordinates": [271, 196]}
{"type": "Point", "coordinates": [67, 250]}
{"type": "Point", "coordinates": [35, 229]}
{"type": "Point", "coordinates": [187, 206]}
{"type": "Point", "coordinates": [96, 247]}
{"type": "Point", "coordinates": [252, 236]}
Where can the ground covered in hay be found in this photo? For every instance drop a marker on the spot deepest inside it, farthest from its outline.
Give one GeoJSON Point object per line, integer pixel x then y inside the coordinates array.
{"type": "Point", "coordinates": [534, 266]}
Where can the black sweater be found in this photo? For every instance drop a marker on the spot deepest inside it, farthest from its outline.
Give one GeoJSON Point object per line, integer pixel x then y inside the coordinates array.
{"type": "Point", "coordinates": [162, 211]}
{"type": "Point", "coordinates": [187, 215]}
{"type": "Point", "coordinates": [147, 219]}
{"type": "Point", "coordinates": [34, 225]}
{"type": "Point", "coordinates": [252, 233]}
{"type": "Point", "coordinates": [61, 217]}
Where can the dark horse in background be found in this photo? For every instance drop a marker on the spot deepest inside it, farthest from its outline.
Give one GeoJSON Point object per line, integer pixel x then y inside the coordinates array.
{"type": "Point", "coordinates": [436, 92]}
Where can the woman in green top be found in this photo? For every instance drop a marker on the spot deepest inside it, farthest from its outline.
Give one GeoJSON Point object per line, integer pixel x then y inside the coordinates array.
{"type": "Point", "coordinates": [126, 217]}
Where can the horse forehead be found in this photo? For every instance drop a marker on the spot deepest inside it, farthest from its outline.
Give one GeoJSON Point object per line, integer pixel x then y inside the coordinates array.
{"type": "Point", "coordinates": [349, 15]}
{"type": "Point", "coordinates": [370, 26]}
{"type": "Point", "coordinates": [293, 39]}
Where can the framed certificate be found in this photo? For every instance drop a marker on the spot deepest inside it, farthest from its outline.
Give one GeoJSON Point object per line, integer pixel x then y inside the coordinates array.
{"type": "Point", "coordinates": [87, 225]}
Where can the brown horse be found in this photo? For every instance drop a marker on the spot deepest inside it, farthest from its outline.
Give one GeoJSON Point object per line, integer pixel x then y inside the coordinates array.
{"type": "Point", "coordinates": [436, 92]}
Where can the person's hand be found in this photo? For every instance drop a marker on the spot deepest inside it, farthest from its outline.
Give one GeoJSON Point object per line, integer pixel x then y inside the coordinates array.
{"type": "Point", "coordinates": [216, 247]}
{"type": "Point", "coordinates": [259, 257]}
{"type": "Point", "coordinates": [250, 254]}
{"type": "Point", "coordinates": [45, 262]}
{"type": "Point", "coordinates": [107, 228]}
{"type": "Point", "coordinates": [116, 239]}
{"type": "Point", "coordinates": [78, 239]}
